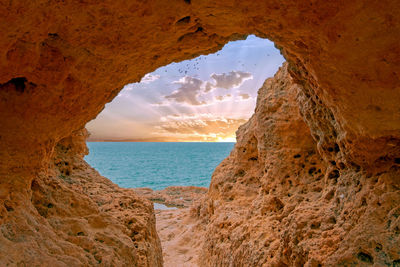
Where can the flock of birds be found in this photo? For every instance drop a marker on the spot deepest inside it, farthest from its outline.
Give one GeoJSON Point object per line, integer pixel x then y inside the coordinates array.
{"type": "Point", "coordinates": [196, 66]}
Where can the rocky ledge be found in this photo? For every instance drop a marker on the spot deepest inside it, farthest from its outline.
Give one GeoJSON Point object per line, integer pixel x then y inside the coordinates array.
{"type": "Point", "coordinates": [76, 217]}
{"type": "Point", "coordinates": [177, 196]}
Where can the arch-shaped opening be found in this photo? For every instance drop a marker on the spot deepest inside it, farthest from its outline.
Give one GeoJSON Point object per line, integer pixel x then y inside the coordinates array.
{"type": "Point", "coordinates": [164, 136]}
{"type": "Point", "coordinates": [204, 99]}
{"type": "Point", "coordinates": [59, 66]}
{"type": "Point", "coordinates": [168, 103]}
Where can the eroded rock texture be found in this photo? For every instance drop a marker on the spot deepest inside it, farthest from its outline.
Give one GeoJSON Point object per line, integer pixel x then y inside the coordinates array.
{"type": "Point", "coordinates": [175, 196]}
{"type": "Point", "coordinates": [76, 217]}
{"type": "Point", "coordinates": [61, 61]}
{"type": "Point", "coordinates": [275, 202]}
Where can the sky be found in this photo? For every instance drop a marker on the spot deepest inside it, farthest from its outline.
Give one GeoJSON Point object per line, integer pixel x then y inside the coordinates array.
{"type": "Point", "coordinates": [204, 99]}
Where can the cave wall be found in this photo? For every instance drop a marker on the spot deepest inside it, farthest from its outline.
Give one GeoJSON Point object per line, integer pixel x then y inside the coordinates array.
{"type": "Point", "coordinates": [66, 63]}
{"type": "Point", "coordinates": [76, 217]}
{"type": "Point", "coordinates": [61, 62]}
{"type": "Point", "coordinates": [277, 201]}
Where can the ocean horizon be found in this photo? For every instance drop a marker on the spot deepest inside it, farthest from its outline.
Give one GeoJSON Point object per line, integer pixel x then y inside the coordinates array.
{"type": "Point", "coordinates": [129, 141]}
{"type": "Point", "coordinates": [157, 165]}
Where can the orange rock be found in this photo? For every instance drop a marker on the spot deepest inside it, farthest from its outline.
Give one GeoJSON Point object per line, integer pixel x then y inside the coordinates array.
{"type": "Point", "coordinates": [178, 196]}
{"type": "Point", "coordinates": [77, 217]}
{"type": "Point", "coordinates": [61, 62]}
{"type": "Point", "coordinates": [278, 203]}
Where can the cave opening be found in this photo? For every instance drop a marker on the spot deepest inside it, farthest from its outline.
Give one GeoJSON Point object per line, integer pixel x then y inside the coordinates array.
{"type": "Point", "coordinates": [165, 135]}
{"type": "Point", "coordinates": [59, 67]}
{"type": "Point", "coordinates": [178, 123]}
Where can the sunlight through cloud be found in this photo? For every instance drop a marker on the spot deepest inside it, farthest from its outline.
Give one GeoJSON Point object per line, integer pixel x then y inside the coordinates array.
{"type": "Point", "coordinates": [202, 99]}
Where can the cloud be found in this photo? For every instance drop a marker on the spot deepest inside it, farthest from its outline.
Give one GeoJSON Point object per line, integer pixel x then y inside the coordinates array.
{"type": "Point", "coordinates": [192, 88]}
{"type": "Point", "coordinates": [191, 116]}
{"type": "Point", "coordinates": [244, 96]}
{"type": "Point", "coordinates": [208, 87]}
{"type": "Point", "coordinates": [222, 98]}
{"type": "Point", "coordinates": [148, 78]}
{"type": "Point", "coordinates": [159, 104]}
{"type": "Point", "coordinates": [203, 127]}
{"type": "Point", "coordinates": [228, 81]}
{"type": "Point", "coordinates": [188, 92]}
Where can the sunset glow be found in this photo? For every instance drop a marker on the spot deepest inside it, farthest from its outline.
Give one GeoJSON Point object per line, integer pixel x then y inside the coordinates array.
{"type": "Point", "coordinates": [204, 99]}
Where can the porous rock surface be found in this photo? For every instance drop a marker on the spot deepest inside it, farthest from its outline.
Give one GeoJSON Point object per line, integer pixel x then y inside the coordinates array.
{"type": "Point", "coordinates": [275, 201]}
{"type": "Point", "coordinates": [177, 196]}
{"type": "Point", "coordinates": [76, 217]}
{"type": "Point", "coordinates": [61, 61]}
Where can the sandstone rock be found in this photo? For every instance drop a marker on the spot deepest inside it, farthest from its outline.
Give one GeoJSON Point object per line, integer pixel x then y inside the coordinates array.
{"type": "Point", "coordinates": [63, 65]}
{"type": "Point", "coordinates": [276, 202]}
{"type": "Point", "coordinates": [76, 217]}
{"type": "Point", "coordinates": [62, 61]}
{"type": "Point", "coordinates": [178, 196]}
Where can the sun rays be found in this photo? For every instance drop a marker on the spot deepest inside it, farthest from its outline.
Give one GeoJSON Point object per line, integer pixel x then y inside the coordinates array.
{"type": "Point", "coordinates": [203, 99]}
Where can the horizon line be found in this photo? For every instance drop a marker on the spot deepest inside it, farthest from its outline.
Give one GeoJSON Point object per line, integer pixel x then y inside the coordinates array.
{"type": "Point", "coordinates": [132, 141]}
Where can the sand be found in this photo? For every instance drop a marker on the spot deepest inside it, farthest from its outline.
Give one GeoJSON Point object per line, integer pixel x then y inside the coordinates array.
{"type": "Point", "coordinates": [179, 229]}
{"type": "Point", "coordinates": [181, 237]}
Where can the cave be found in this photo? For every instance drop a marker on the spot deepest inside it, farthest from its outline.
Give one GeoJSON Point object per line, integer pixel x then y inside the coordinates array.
{"type": "Point", "coordinates": [337, 203]}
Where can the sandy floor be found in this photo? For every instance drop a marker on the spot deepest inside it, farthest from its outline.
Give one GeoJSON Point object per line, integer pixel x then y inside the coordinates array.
{"type": "Point", "coordinates": [181, 237]}
{"type": "Point", "coordinates": [181, 233]}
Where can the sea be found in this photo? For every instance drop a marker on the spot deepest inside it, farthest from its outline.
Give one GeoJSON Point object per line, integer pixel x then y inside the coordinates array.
{"type": "Point", "coordinates": [157, 165]}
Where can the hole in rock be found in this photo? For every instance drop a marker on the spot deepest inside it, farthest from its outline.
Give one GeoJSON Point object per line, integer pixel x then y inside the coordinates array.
{"type": "Point", "coordinates": [334, 174]}
{"type": "Point", "coordinates": [146, 137]}
{"type": "Point", "coordinates": [178, 123]}
{"type": "Point", "coordinates": [365, 257]}
{"type": "Point", "coordinates": [17, 83]}
{"type": "Point", "coordinates": [8, 206]}
{"type": "Point", "coordinates": [183, 20]}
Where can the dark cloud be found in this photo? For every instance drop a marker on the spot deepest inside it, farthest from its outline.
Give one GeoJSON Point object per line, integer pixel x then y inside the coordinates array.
{"type": "Point", "coordinates": [188, 91]}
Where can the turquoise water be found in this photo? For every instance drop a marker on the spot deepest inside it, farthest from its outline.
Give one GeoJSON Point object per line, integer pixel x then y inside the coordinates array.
{"type": "Point", "coordinates": [157, 165]}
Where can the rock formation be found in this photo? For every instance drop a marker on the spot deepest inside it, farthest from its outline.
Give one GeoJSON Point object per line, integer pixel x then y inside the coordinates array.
{"type": "Point", "coordinates": [276, 202]}
{"type": "Point", "coordinates": [178, 196]}
{"type": "Point", "coordinates": [76, 217]}
{"type": "Point", "coordinates": [62, 61]}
